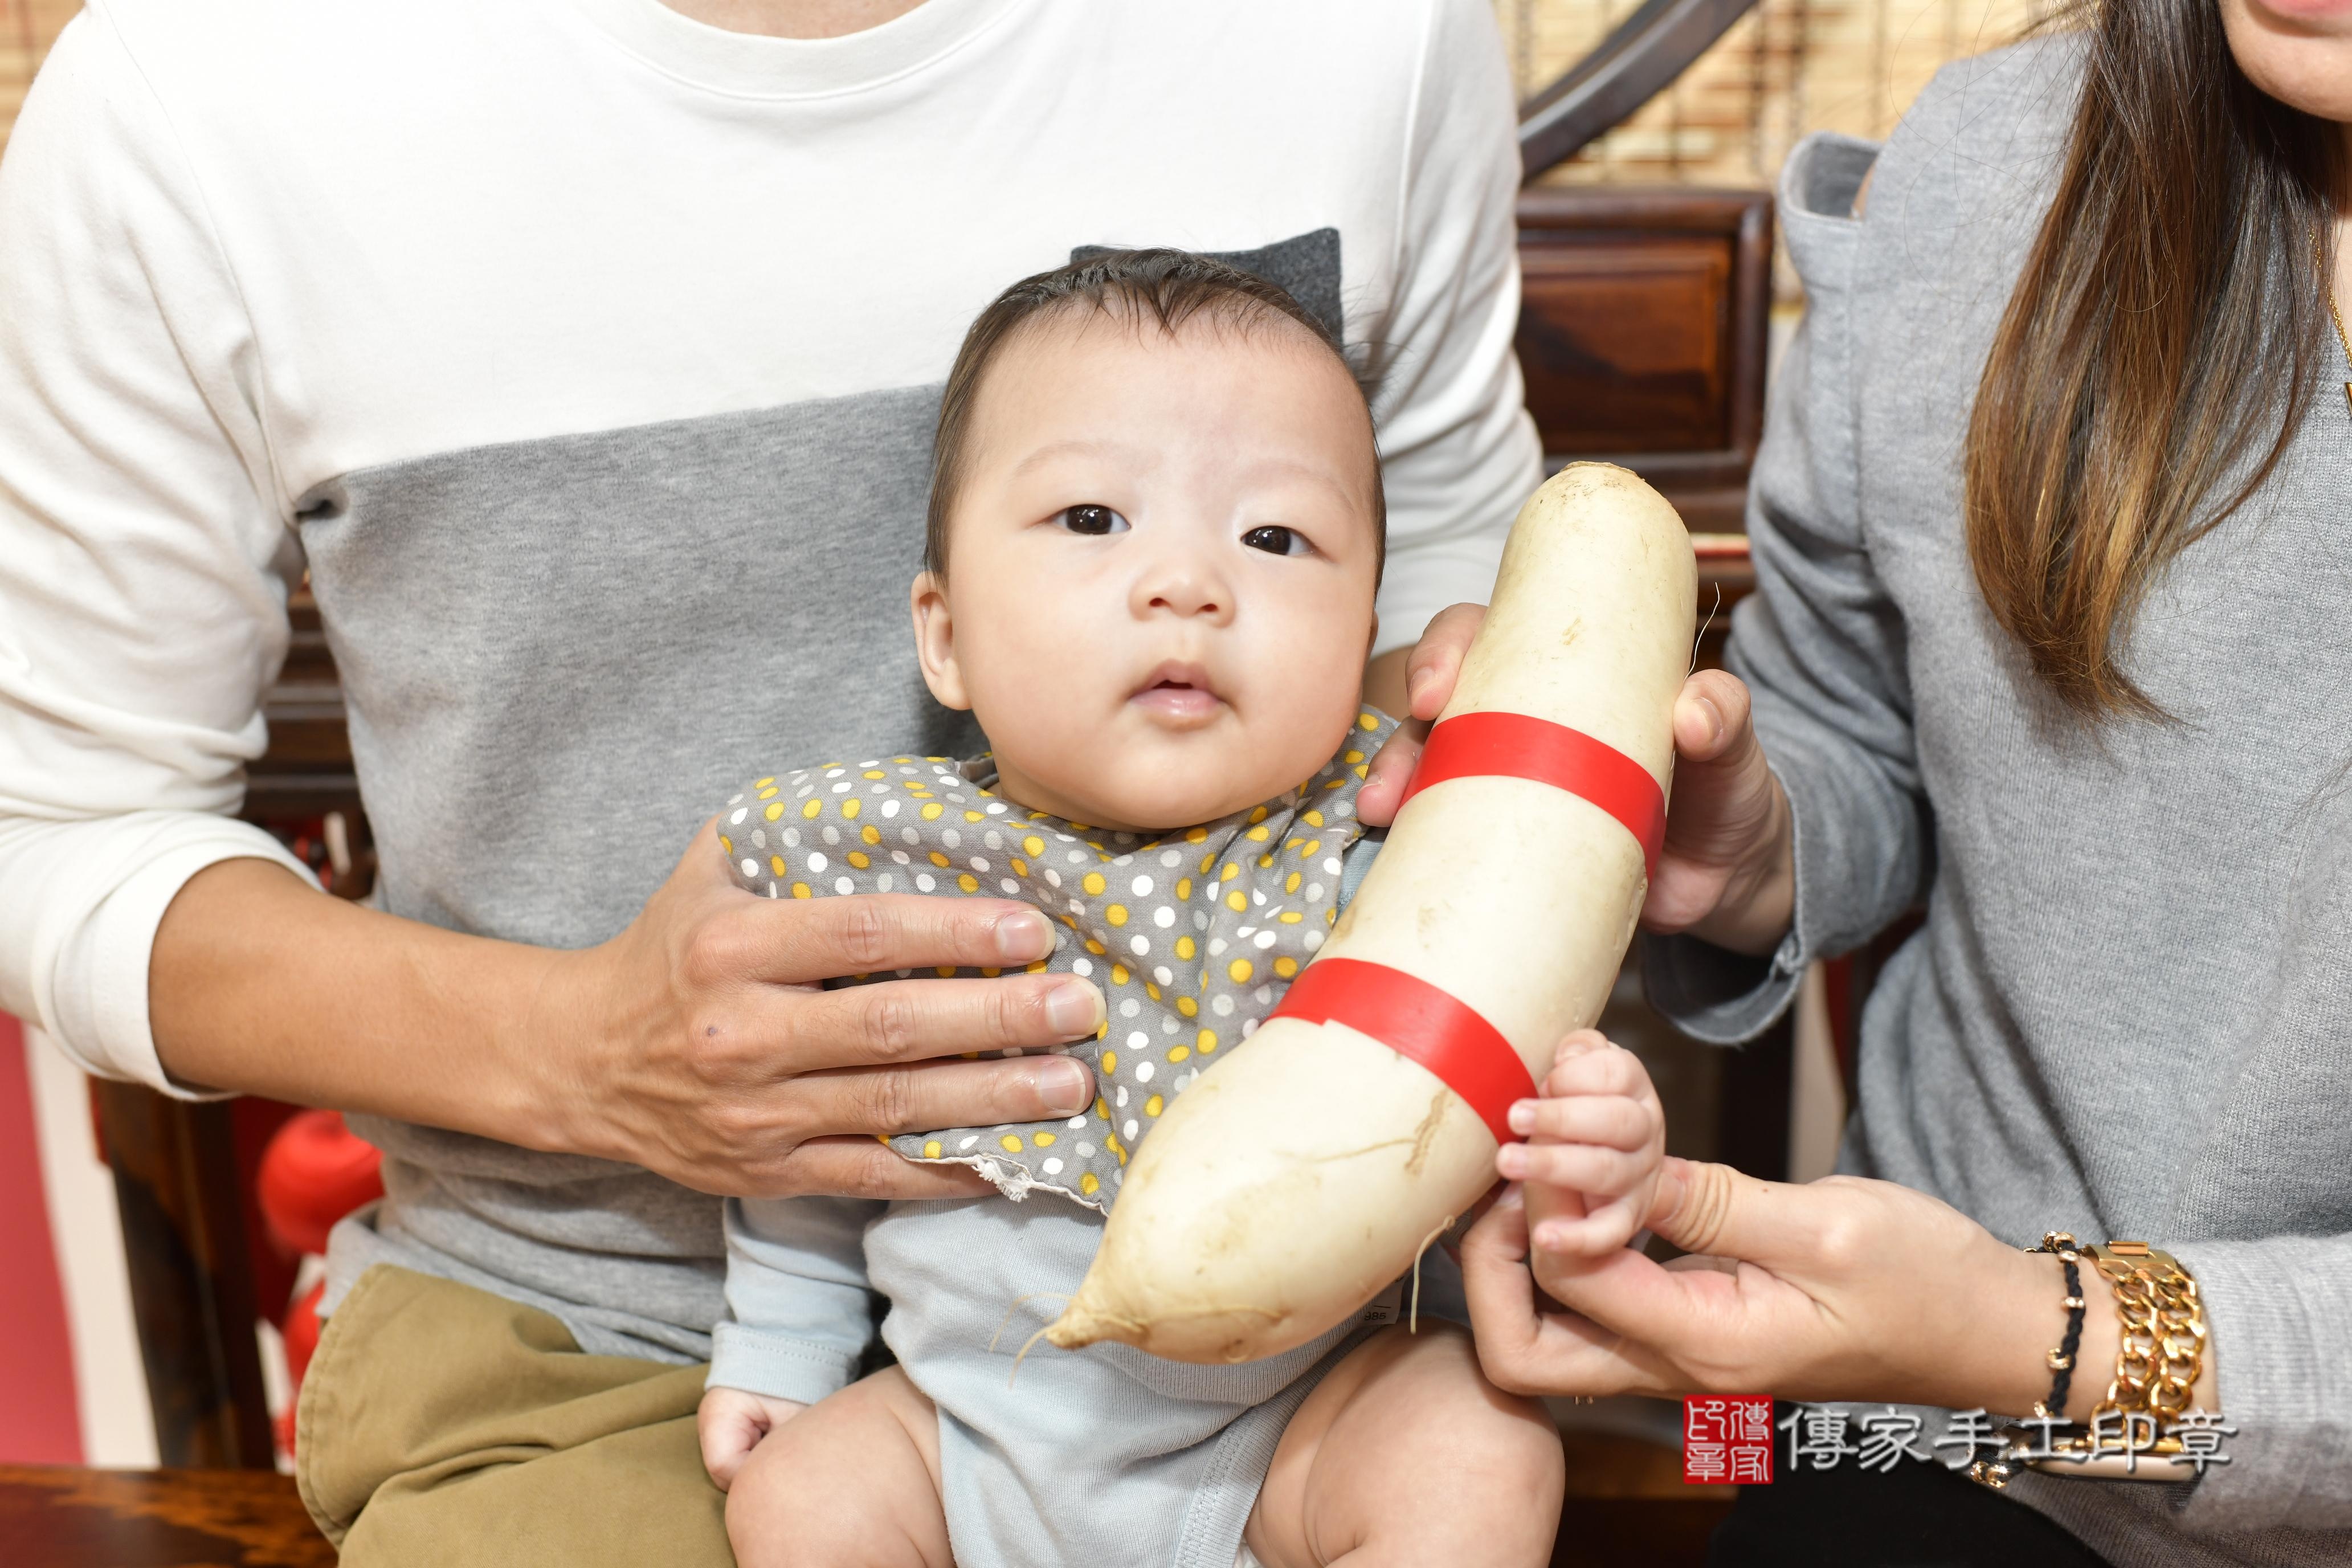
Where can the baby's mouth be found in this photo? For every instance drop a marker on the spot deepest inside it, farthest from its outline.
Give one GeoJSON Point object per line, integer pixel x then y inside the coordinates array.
{"type": "Point", "coordinates": [1179, 694]}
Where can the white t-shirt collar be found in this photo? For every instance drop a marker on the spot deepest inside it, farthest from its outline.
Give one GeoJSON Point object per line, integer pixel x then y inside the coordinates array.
{"type": "Point", "coordinates": [748, 65]}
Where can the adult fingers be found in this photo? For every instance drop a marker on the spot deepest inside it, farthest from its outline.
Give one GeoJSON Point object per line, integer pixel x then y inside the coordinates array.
{"type": "Point", "coordinates": [1523, 1347]}
{"type": "Point", "coordinates": [1724, 793]}
{"type": "Point", "coordinates": [1504, 1321]}
{"type": "Point", "coordinates": [1708, 1208]}
{"type": "Point", "coordinates": [1468, 1220]}
{"type": "Point", "coordinates": [1711, 716]}
{"type": "Point", "coordinates": [1391, 769]}
{"type": "Point", "coordinates": [862, 1168]}
{"type": "Point", "coordinates": [1436, 661]}
{"type": "Point", "coordinates": [1701, 1208]}
{"type": "Point", "coordinates": [1495, 1249]}
{"type": "Point", "coordinates": [1430, 674]}
{"type": "Point", "coordinates": [794, 941]}
{"type": "Point", "coordinates": [923, 1096]}
{"type": "Point", "coordinates": [1726, 872]}
{"type": "Point", "coordinates": [917, 1020]}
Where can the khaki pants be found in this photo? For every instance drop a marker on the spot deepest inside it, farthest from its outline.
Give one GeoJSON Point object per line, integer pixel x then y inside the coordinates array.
{"type": "Point", "coordinates": [442, 1426]}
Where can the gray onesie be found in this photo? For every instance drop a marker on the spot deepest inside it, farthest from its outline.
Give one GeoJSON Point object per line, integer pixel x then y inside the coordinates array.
{"type": "Point", "coordinates": [1104, 1455]}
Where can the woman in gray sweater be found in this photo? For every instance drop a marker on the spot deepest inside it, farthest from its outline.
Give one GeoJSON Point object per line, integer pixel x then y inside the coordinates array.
{"type": "Point", "coordinates": [2054, 536]}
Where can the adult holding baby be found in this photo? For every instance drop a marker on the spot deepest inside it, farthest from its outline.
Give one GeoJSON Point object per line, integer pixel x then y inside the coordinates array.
{"type": "Point", "coordinates": [596, 399]}
{"type": "Point", "coordinates": [2053, 476]}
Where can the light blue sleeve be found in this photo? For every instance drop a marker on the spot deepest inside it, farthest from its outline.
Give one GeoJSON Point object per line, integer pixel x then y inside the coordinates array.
{"type": "Point", "coordinates": [798, 1316]}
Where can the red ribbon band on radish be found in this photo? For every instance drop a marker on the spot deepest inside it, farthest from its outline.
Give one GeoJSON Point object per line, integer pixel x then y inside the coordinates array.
{"type": "Point", "coordinates": [1515, 745]}
{"type": "Point", "coordinates": [1416, 1020]}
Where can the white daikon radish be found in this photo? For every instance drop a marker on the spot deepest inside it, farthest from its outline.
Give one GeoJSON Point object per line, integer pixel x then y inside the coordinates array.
{"type": "Point", "coordinates": [1302, 1172]}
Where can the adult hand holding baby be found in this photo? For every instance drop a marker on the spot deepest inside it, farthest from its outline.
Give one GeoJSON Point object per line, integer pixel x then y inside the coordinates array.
{"type": "Point", "coordinates": [724, 1065]}
{"type": "Point", "coordinates": [697, 1043]}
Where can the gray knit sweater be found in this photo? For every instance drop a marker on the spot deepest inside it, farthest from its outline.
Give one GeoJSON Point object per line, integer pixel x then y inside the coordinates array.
{"type": "Point", "coordinates": [2127, 1013]}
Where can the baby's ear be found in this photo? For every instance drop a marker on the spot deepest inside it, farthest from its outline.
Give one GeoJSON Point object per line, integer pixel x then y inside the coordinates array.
{"type": "Point", "coordinates": [935, 640]}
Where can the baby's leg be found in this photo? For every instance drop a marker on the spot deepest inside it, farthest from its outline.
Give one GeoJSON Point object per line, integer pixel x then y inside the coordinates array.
{"type": "Point", "coordinates": [1405, 1454]}
{"type": "Point", "coordinates": [851, 1482]}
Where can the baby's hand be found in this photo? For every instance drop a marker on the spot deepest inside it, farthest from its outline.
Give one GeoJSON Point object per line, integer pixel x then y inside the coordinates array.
{"type": "Point", "coordinates": [732, 1423]}
{"type": "Point", "coordinates": [1595, 1141]}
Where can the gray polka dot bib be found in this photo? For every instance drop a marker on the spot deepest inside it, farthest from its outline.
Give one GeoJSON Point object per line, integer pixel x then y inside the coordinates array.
{"type": "Point", "coordinates": [1191, 935]}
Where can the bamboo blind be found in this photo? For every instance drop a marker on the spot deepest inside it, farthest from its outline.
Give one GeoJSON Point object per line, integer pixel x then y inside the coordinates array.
{"type": "Point", "coordinates": [27, 28]}
{"type": "Point", "coordinates": [1787, 69]}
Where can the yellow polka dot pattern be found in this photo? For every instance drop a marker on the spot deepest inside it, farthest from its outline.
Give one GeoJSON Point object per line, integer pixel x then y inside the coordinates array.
{"type": "Point", "coordinates": [1191, 936]}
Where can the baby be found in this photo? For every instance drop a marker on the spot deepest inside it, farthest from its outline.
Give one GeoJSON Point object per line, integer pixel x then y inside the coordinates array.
{"type": "Point", "coordinates": [1156, 530]}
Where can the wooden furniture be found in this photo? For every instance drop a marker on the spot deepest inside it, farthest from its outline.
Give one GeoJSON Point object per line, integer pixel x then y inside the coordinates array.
{"type": "Point", "coordinates": [155, 1519]}
{"type": "Point", "coordinates": [307, 772]}
{"type": "Point", "coordinates": [187, 1236]}
{"type": "Point", "coordinates": [60, 1518]}
{"type": "Point", "coordinates": [1643, 335]}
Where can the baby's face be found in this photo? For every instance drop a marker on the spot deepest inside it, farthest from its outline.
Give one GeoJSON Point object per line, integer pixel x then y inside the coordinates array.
{"type": "Point", "coordinates": [1160, 567]}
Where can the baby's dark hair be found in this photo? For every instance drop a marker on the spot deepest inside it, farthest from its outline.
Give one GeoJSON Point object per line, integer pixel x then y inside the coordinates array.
{"type": "Point", "coordinates": [1170, 288]}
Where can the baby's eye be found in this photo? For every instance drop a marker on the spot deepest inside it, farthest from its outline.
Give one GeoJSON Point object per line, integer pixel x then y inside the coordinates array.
{"type": "Point", "coordinates": [1090, 519]}
{"type": "Point", "coordinates": [1276, 541]}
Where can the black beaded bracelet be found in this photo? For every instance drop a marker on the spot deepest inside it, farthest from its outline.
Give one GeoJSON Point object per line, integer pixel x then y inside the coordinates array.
{"type": "Point", "coordinates": [2061, 1360]}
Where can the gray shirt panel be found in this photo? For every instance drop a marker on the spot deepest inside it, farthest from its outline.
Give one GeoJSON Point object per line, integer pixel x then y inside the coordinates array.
{"type": "Point", "coordinates": [557, 655]}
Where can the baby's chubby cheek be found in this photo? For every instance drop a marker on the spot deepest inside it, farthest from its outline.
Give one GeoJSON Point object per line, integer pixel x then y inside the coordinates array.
{"type": "Point", "coordinates": [1057, 687]}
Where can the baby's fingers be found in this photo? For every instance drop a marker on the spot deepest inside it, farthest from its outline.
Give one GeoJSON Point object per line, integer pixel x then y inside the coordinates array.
{"type": "Point", "coordinates": [1611, 1121]}
{"type": "Point", "coordinates": [728, 1438]}
{"type": "Point", "coordinates": [1584, 1167]}
{"type": "Point", "coordinates": [1587, 1064]}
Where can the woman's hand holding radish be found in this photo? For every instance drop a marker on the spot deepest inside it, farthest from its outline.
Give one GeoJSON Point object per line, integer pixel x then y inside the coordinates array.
{"type": "Point", "coordinates": [1728, 874]}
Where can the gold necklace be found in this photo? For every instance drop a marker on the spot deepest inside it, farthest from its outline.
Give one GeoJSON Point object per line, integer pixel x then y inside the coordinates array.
{"type": "Point", "coordinates": [2327, 292]}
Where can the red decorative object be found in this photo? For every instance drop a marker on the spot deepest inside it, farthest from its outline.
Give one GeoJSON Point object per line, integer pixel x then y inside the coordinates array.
{"type": "Point", "coordinates": [302, 1339]}
{"type": "Point", "coordinates": [315, 1172]}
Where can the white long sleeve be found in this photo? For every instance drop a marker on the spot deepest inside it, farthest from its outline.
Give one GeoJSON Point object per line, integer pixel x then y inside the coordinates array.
{"type": "Point", "coordinates": [142, 558]}
{"type": "Point", "coordinates": [1459, 452]}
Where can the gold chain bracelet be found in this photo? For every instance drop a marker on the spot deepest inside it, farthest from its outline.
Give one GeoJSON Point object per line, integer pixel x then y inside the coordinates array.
{"type": "Point", "coordinates": [2158, 1359]}
{"type": "Point", "coordinates": [2163, 1347]}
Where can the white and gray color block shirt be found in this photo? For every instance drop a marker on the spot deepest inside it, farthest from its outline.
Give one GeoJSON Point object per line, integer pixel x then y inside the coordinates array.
{"type": "Point", "coordinates": [587, 358]}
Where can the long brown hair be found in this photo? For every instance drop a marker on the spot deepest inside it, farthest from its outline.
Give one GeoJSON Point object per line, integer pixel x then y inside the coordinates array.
{"type": "Point", "coordinates": [2160, 349]}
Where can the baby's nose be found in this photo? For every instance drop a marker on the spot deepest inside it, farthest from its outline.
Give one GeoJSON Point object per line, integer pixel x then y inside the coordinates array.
{"type": "Point", "coordinates": [1188, 599]}
{"type": "Point", "coordinates": [1183, 589]}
